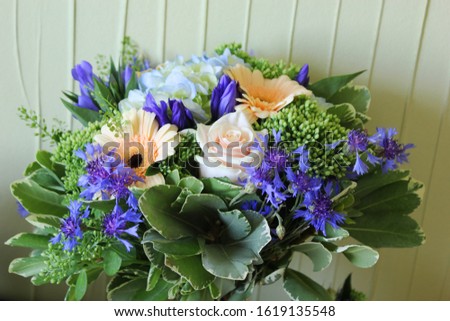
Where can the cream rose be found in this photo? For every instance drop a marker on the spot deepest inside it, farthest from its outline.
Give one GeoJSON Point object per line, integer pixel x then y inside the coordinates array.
{"type": "Point", "coordinates": [228, 146]}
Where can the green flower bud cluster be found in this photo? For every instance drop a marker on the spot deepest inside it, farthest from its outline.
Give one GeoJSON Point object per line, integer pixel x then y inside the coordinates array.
{"type": "Point", "coordinates": [65, 154]}
{"type": "Point", "coordinates": [60, 264]}
{"type": "Point", "coordinates": [183, 157]}
{"type": "Point", "coordinates": [268, 69]}
{"type": "Point", "coordinates": [302, 123]}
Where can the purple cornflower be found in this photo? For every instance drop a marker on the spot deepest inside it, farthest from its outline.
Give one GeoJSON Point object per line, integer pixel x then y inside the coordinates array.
{"type": "Point", "coordinates": [302, 76]}
{"type": "Point", "coordinates": [84, 75]}
{"type": "Point", "coordinates": [21, 210]}
{"type": "Point", "coordinates": [118, 182]}
{"type": "Point", "coordinates": [392, 152]}
{"type": "Point", "coordinates": [115, 225]}
{"type": "Point", "coordinates": [254, 205]}
{"type": "Point", "coordinates": [98, 169]}
{"type": "Point", "coordinates": [70, 227]}
{"type": "Point", "coordinates": [303, 158]}
{"type": "Point", "coordinates": [180, 116]}
{"type": "Point", "coordinates": [267, 176]}
{"type": "Point", "coordinates": [319, 210]}
{"type": "Point", "coordinates": [358, 142]}
{"type": "Point", "coordinates": [302, 183]}
{"type": "Point", "coordinates": [223, 98]}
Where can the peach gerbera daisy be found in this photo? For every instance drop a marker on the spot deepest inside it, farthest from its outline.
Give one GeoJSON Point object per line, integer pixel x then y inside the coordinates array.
{"type": "Point", "coordinates": [141, 143]}
{"type": "Point", "coordinates": [264, 97]}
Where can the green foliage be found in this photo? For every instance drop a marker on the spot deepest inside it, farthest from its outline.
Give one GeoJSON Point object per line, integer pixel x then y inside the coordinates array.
{"type": "Point", "coordinates": [328, 87]}
{"type": "Point", "coordinates": [386, 200]}
{"type": "Point", "coordinates": [268, 69]}
{"type": "Point", "coordinates": [300, 287]}
{"type": "Point", "coordinates": [38, 123]}
{"type": "Point", "coordinates": [199, 237]}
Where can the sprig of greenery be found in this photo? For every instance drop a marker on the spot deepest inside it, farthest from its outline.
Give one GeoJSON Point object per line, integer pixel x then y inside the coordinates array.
{"type": "Point", "coordinates": [38, 123]}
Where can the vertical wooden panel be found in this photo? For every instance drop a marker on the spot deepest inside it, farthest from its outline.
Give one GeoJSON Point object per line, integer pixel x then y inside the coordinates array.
{"type": "Point", "coordinates": [184, 28]}
{"type": "Point", "coordinates": [145, 25]}
{"type": "Point", "coordinates": [270, 28]}
{"type": "Point", "coordinates": [313, 37]}
{"type": "Point", "coordinates": [356, 37]}
{"type": "Point", "coordinates": [19, 144]}
{"type": "Point", "coordinates": [390, 83]}
{"type": "Point", "coordinates": [423, 125]}
{"type": "Point", "coordinates": [354, 52]}
{"type": "Point", "coordinates": [226, 22]}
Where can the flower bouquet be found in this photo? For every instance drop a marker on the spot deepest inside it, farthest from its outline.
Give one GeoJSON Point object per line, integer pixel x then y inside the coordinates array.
{"type": "Point", "coordinates": [199, 179]}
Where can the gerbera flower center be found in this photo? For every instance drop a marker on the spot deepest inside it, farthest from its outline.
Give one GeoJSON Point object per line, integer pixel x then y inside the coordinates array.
{"type": "Point", "coordinates": [135, 161]}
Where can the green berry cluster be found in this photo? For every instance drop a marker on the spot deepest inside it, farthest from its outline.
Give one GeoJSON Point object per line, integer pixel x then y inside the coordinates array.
{"type": "Point", "coordinates": [303, 123]}
{"type": "Point", "coordinates": [183, 159]}
{"type": "Point", "coordinates": [268, 69]}
{"type": "Point", "coordinates": [65, 153]}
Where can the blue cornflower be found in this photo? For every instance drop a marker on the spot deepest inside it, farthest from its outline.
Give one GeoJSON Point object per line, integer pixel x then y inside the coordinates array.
{"type": "Point", "coordinates": [70, 227]}
{"type": "Point", "coordinates": [98, 169]}
{"type": "Point", "coordinates": [302, 183]}
{"type": "Point", "coordinates": [21, 210]}
{"type": "Point", "coordinates": [302, 76]}
{"type": "Point", "coordinates": [254, 205]}
{"type": "Point", "coordinates": [358, 142]}
{"type": "Point", "coordinates": [303, 158]}
{"type": "Point", "coordinates": [180, 116]}
{"type": "Point", "coordinates": [319, 210]}
{"type": "Point", "coordinates": [115, 224]}
{"type": "Point", "coordinates": [118, 182]}
{"type": "Point", "coordinates": [84, 75]}
{"type": "Point", "coordinates": [223, 98]}
{"type": "Point", "coordinates": [392, 152]}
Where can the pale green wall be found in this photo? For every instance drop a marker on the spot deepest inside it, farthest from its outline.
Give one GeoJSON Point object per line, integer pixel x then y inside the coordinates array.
{"type": "Point", "coordinates": [404, 45]}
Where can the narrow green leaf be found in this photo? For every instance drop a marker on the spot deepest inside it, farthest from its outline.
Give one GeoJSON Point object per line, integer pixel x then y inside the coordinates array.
{"type": "Point", "coordinates": [81, 285]}
{"type": "Point", "coordinates": [34, 241]}
{"type": "Point", "coordinates": [300, 287]}
{"type": "Point", "coordinates": [105, 206]}
{"type": "Point", "coordinates": [318, 254]}
{"type": "Point", "coordinates": [327, 87]}
{"type": "Point", "coordinates": [153, 277]}
{"type": "Point", "coordinates": [27, 266]}
{"type": "Point", "coordinates": [37, 199]}
{"type": "Point", "coordinates": [83, 115]}
{"type": "Point", "coordinates": [132, 84]}
{"type": "Point", "coordinates": [103, 96]}
{"type": "Point", "coordinates": [111, 262]}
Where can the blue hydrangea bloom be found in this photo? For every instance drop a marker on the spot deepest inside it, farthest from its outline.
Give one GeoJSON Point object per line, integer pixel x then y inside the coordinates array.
{"type": "Point", "coordinates": [116, 225]}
